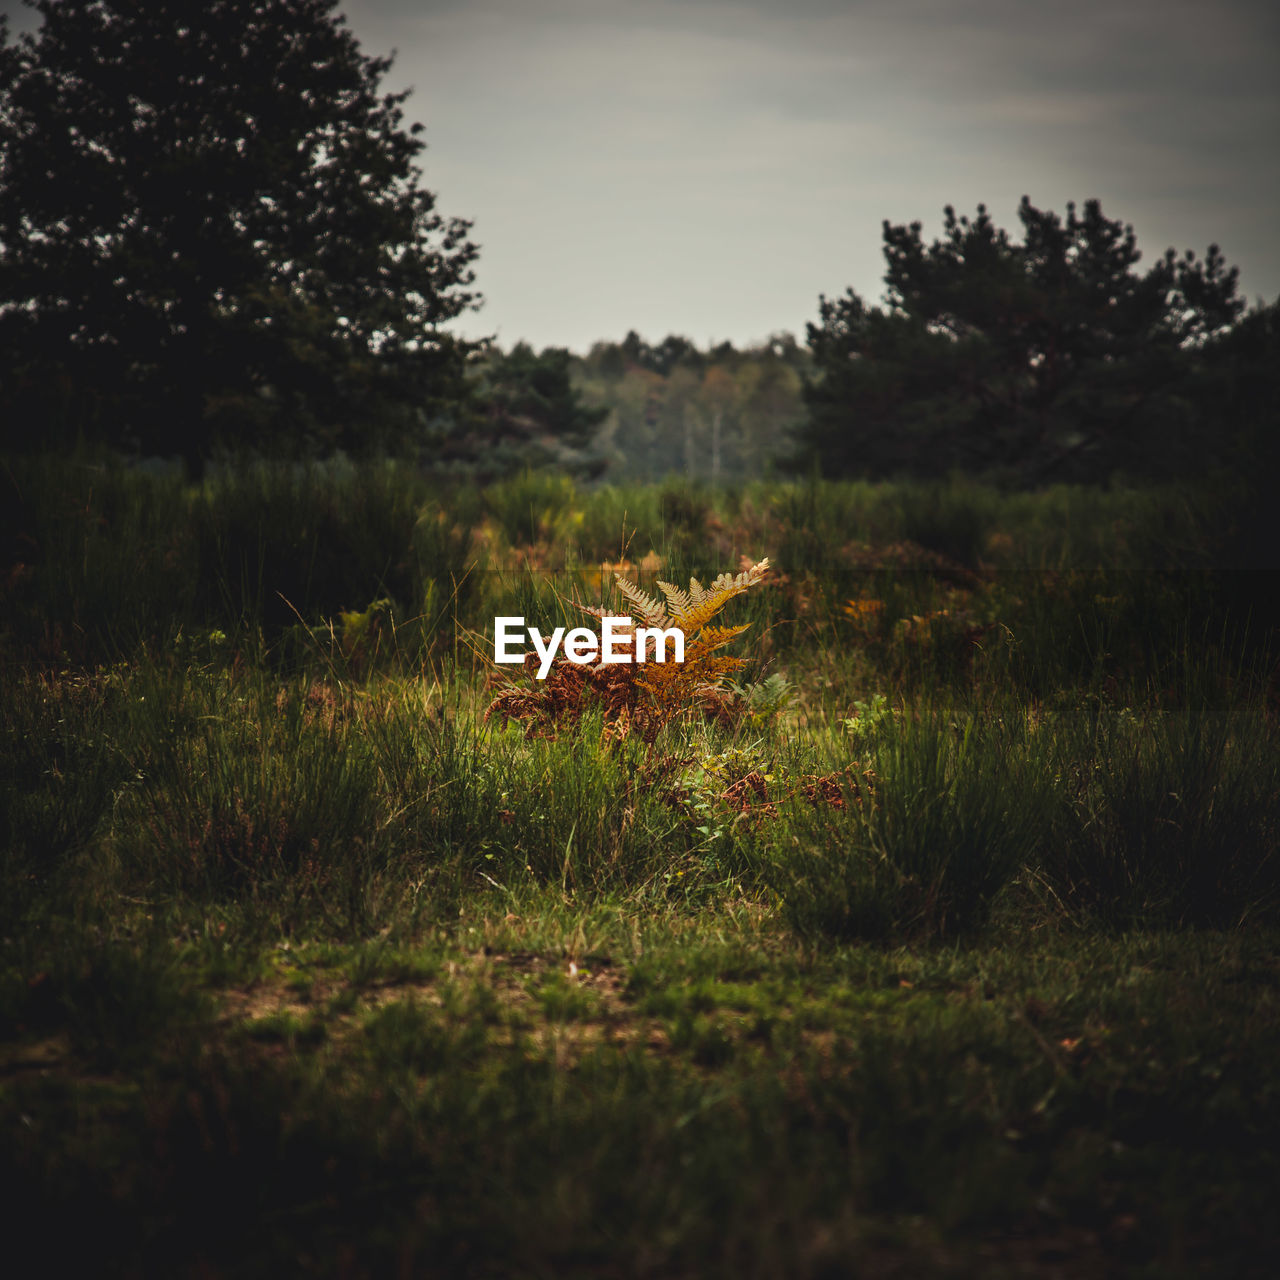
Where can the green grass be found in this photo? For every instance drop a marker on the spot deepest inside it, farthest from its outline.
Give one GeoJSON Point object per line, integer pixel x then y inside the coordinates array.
{"type": "Point", "coordinates": [957, 810]}
{"type": "Point", "coordinates": [306, 968]}
{"type": "Point", "coordinates": [687, 1098]}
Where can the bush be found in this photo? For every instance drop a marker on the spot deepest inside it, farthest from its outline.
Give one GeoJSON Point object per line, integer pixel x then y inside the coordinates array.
{"type": "Point", "coordinates": [955, 813]}
{"type": "Point", "coordinates": [1169, 818]}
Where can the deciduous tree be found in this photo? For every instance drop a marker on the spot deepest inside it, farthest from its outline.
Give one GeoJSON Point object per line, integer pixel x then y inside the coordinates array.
{"type": "Point", "coordinates": [212, 229]}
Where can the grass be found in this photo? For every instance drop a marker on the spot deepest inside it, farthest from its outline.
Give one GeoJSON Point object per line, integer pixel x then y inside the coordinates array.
{"type": "Point", "coordinates": [957, 810]}
{"type": "Point", "coordinates": [670, 1102]}
{"type": "Point", "coordinates": [306, 968]}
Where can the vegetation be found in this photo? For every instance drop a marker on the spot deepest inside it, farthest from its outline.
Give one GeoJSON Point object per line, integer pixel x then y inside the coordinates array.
{"type": "Point", "coordinates": [669, 664]}
{"type": "Point", "coordinates": [214, 242]}
{"type": "Point", "coordinates": [1053, 359]}
{"type": "Point", "coordinates": [529, 413]}
{"type": "Point", "coordinates": [212, 234]}
{"type": "Point", "coordinates": [942, 940]}
{"type": "Point", "coordinates": [713, 417]}
{"type": "Point", "coordinates": [924, 921]}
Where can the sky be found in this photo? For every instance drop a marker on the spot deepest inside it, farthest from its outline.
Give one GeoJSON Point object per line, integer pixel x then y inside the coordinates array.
{"type": "Point", "coordinates": [710, 167]}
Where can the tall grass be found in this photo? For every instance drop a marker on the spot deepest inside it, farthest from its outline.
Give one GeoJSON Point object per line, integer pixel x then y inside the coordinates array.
{"type": "Point", "coordinates": [268, 739]}
{"type": "Point", "coordinates": [1170, 816]}
{"type": "Point", "coordinates": [305, 964]}
{"type": "Point", "coordinates": [955, 812]}
{"type": "Point", "coordinates": [115, 556]}
{"type": "Point", "coordinates": [62, 767]}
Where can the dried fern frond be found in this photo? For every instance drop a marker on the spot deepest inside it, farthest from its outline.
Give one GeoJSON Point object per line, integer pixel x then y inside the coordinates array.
{"type": "Point", "coordinates": [652, 614]}
{"type": "Point", "coordinates": [678, 602]}
{"type": "Point", "coordinates": [640, 698]}
{"type": "Point", "coordinates": [689, 610]}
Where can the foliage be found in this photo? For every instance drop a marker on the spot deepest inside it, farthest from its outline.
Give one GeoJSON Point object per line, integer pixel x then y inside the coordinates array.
{"type": "Point", "coordinates": [955, 815]}
{"type": "Point", "coordinates": [1057, 586]}
{"type": "Point", "coordinates": [212, 232]}
{"type": "Point", "coordinates": [527, 412]}
{"type": "Point", "coordinates": [640, 697]}
{"type": "Point", "coordinates": [1051, 357]}
{"type": "Point", "coordinates": [764, 702]}
{"type": "Point", "coordinates": [1239, 398]}
{"type": "Point", "coordinates": [725, 788]}
{"type": "Point", "coordinates": [715, 416]}
{"type": "Point", "coordinates": [276, 930]}
{"type": "Point", "coordinates": [1171, 816]}
{"type": "Point", "coordinates": [871, 719]}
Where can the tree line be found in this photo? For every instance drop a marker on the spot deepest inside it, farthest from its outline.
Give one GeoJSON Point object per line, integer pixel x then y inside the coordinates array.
{"type": "Point", "coordinates": [214, 239]}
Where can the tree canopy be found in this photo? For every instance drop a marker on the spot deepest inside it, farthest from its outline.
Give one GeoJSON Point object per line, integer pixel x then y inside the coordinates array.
{"type": "Point", "coordinates": [719, 414]}
{"type": "Point", "coordinates": [525, 411]}
{"type": "Point", "coordinates": [212, 229]}
{"type": "Point", "coordinates": [1050, 358]}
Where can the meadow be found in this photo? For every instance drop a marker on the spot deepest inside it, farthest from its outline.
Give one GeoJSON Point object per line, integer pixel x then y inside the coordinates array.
{"type": "Point", "coordinates": [939, 940]}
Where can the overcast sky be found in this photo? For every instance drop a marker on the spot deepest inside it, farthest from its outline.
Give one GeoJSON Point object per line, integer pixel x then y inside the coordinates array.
{"type": "Point", "coordinates": [709, 167]}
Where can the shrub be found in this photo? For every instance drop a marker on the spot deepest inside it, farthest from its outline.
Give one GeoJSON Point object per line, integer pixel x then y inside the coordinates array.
{"type": "Point", "coordinates": [956, 811]}
{"type": "Point", "coordinates": [1169, 818]}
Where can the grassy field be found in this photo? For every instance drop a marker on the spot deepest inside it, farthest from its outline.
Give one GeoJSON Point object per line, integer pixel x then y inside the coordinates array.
{"type": "Point", "coordinates": [941, 943]}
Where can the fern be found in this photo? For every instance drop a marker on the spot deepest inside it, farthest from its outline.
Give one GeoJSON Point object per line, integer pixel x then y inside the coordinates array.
{"type": "Point", "coordinates": [681, 601]}
{"type": "Point", "coordinates": [642, 697]}
{"type": "Point", "coordinates": [677, 687]}
{"type": "Point", "coordinates": [652, 614]}
{"type": "Point", "coordinates": [690, 610]}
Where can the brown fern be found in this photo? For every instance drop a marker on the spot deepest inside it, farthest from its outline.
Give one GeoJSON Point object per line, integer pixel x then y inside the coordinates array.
{"type": "Point", "coordinates": [639, 697]}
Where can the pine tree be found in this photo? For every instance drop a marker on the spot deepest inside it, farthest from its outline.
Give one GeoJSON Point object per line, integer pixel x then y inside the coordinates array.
{"type": "Point", "coordinates": [1049, 358]}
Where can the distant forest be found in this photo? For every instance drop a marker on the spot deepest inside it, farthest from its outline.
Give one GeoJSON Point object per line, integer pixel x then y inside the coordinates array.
{"type": "Point", "coordinates": [715, 416]}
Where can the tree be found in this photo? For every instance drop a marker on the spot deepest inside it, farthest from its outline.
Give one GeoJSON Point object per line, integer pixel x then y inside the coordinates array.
{"type": "Point", "coordinates": [672, 351]}
{"type": "Point", "coordinates": [527, 412]}
{"type": "Point", "coordinates": [1052, 358]}
{"type": "Point", "coordinates": [719, 415]}
{"type": "Point", "coordinates": [770, 387]}
{"type": "Point", "coordinates": [1239, 396]}
{"type": "Point", "coordinates": [211, 231]}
